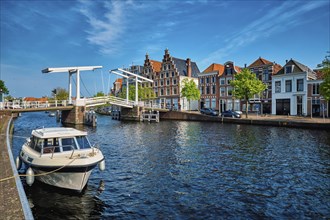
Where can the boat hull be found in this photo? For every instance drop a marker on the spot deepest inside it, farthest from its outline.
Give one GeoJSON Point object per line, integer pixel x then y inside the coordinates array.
{"type": "Point", "coordinates": [67, 180]}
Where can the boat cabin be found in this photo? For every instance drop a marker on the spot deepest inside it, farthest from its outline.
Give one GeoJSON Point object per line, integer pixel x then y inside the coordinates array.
{"type": "Point", "coordinates": [54, 140]}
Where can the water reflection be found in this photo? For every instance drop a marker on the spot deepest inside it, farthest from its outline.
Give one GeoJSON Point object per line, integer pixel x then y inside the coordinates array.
{"type": "Point", "coordinates": [50, 203]}
{"type": "Point", "coordinates": [195, 170]}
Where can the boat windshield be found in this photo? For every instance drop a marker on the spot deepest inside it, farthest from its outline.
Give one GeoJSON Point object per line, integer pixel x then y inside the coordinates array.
{"type": "Point", "coordinates": [83, 142]}
{"type": "Point", "coordinates": [68, 144]}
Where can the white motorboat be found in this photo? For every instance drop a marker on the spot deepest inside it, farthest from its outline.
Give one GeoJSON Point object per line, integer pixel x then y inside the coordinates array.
{"type": "Point", "coordinates": [62, 157]}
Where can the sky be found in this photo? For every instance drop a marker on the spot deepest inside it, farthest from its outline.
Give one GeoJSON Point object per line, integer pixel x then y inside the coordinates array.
{"type": "Point", "coordinates": [39, 34]}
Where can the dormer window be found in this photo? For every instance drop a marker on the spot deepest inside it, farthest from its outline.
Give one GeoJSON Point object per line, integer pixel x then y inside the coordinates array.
{"type": "Point", "coordinates": [288, 69]}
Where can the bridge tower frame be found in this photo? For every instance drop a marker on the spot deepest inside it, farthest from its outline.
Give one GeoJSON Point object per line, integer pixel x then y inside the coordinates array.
{"type": "Point", "coordinates": [71, 71]}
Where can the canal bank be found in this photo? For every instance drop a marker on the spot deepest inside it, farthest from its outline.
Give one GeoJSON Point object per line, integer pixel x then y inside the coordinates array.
{"type": "Point", "coordinates": [14, 204]}
{"type": "Point", "coordinates": [268, 120]}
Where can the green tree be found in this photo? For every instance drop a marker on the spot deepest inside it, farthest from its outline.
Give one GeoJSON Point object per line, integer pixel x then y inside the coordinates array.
{"type": "Point", "coordinates": [131, 93]}
{"type": "Point", "coordinates": [144, 93]}
{"type": "Point", "coordinates": [3, 88]}
{"type": "Point", "coordinates": [99, 94]}
{"type": "Point", "coordinates": [60, 93]}
{"type": "Point", "coordinates": [325, 85]}
{"type": "Point", "coordinates": [190, 90]}
{"type": "Point", "coordinates": [245, 86]}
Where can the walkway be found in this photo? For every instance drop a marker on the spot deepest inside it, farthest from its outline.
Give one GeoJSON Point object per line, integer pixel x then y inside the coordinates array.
{"type": "Point", "coordinates": [10, 201]}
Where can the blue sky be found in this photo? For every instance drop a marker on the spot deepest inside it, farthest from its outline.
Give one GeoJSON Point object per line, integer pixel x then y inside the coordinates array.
{"type": "Point", "coordinates": [48, 33]}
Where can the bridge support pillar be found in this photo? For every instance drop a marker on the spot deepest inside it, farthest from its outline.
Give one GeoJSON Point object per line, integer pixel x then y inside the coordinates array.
{"type": "Point", "coordinates": [73, 116]}
{"type": "Point", "coordinates": [130, 114]}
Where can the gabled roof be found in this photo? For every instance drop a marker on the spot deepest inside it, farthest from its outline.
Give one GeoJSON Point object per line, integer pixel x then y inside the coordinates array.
{"type": "Point", "coordinates": [214, 67]}
{"type": "Point", "coordinates": [259, 62]}
{"type": "Point", "coordinates": [181, 66]}
{"type": "Point", "coordinates": [297, 67]}
{"type": "Point", "coordinates": [119, 80]}
{"type": "Point", "coordinates": [33, 99]}
{"type": "Point", "coordinates": [157, 66]}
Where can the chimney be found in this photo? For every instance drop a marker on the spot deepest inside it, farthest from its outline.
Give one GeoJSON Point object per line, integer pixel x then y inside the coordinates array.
{"type": "Point", "coordinates": [188, 63]}
{"type": "Point", "coordinates": [147, 56]}
{"type": "Point", "coordinates": [245, 65]}
{"type": "Point", "coordinates": [286, 61]}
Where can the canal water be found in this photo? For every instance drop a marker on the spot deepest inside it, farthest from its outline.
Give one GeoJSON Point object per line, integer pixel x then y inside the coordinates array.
{"type": "Point", "coordinates": [192, 170]}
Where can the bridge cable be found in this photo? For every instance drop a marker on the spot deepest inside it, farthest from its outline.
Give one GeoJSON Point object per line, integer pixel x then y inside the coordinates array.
{"type": "Point", "coordinates": [85, 87]}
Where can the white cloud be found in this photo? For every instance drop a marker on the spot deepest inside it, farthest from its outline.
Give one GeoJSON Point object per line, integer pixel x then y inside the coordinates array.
{"type": "Point", "coordinates": [277, 20]}
{"type": "Point", "coordinates": [107, 29]}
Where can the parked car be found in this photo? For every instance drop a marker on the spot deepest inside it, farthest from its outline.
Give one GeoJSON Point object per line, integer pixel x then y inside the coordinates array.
{"type": "Point", "coordinates": [230, 113]}
{"type": "Point", "coordinates": [209, 111]}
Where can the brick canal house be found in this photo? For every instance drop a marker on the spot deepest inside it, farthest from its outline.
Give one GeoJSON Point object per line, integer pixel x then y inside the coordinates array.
{"type": "Point", "coordinates": [264, 71]}
{"type": "Point", "coordinates": [209, 86]}
{"type": "Point", "coordinates": [168, 80]}
{"type": "Point", "coordinates": [296, 91]}
{"type": "Point", "coordinates": [215, 88]}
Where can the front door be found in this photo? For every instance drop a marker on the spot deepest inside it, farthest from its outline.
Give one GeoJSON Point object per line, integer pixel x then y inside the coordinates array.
{"type": "Point", "coordinates": [282, 106]}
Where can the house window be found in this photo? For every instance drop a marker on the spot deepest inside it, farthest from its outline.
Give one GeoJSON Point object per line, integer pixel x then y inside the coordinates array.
{"type": "Point", "coordinates": [213, 89]}
{"type": "Point", "coordinates": [172, 74]}
{"type": "Point", "coordinates": [174, 81]}
{"type": "Point", "coordinates": [266, 75]}
{"type": "Point", "coordinates": [207, 90]}
{"type": "Point", "coordinates": [156, 84]}
{"type": "Point", "coordinates": [229, 71]}
{"type": "Point", "coordinates": [316, 89]}
{"type": "Point", "coordinates": [288, 69]}
{"type": "Point", "coordinates": [207, 80]}
{"type": "Point", "coordinates": [202, 80]}
{"type": "Point", "coordinates": [174, 91]}
{"type": "Point", "coordinates": [213, 79]}
{"type": "Point", "coordinates": [222, 91]}
{"type": "Point", "coordinates": [202, 90]}
{"type": "Point", "coordinates": [168, 91]}
{"type": "Point", "coordinates": [161, 92]}
{"type": "Point", "coordinates": [278, 86]}
{"type": "Point", "coordinates": [300, 85]}
{"type": "Point", "coordinates": [222, 81]}
{"type": "Point", "coordinates": [161, 82]}
{"type": "Point", "coordinates": [230, 91]}
{"type": "Point", "coordinates": [162, 75]}
{"type": "Point", "coordinates": [168, 82]}
{"type": "Point", "coordinates": [228, 81]}
{"type": "Point", "coordinates": [288, 86]}
{"type": "Point", "coordinates": [167, 74]}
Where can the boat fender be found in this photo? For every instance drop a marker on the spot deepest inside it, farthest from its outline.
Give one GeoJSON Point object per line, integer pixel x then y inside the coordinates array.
{"type": "Point", "coordinates": [102, 165]}
{"type": "Point", "coordinates": [29, 176]}
{"type": "Point", "coordinates": [18, 163]}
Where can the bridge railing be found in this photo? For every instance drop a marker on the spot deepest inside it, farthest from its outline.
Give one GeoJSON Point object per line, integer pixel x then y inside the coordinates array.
{"type": "Point", "coordinates": [108, 99]}
{"type": "Point", "coordinates": [17, 104]}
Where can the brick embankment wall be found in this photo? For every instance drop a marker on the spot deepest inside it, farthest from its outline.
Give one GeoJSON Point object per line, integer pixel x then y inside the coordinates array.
{"type": "Point", "coordinates": [10, 204]}
{"type": "Point", "coordinates": [276, 121]}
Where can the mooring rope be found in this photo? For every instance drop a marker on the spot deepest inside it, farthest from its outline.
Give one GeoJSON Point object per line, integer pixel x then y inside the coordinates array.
{"type": "Point", "coordinates": [40, 174]}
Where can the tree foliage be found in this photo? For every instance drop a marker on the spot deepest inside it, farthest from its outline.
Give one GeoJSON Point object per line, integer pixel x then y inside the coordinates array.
{"type": "Point", "coordinates": [325, 85]}
{"type": "Point", "coordinates": [60, 93]}
{"type": "Point", "coordinates": [190, 90]}
{"type": "Point", "coordinates": [144, 93]}
{"type": "Point", "coordinates": [3, 87]}
{"type": "Point", "coordinates": [99, 94]}
{"type": "Point", "coordinates": [246, 85]}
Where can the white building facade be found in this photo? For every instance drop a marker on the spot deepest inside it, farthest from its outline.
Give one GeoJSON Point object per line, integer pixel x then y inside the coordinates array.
{"type": "Point", "coordinates": [289, 89]}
